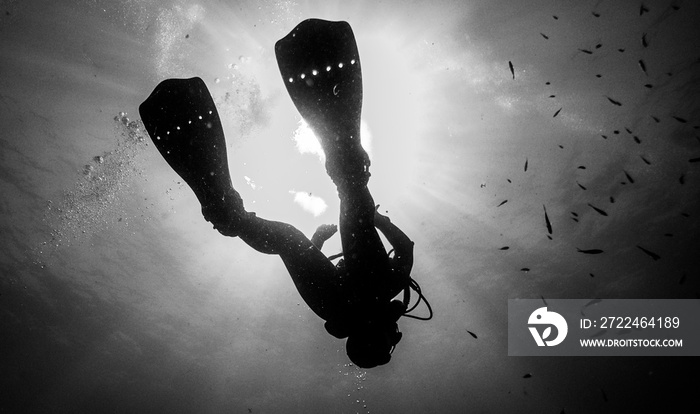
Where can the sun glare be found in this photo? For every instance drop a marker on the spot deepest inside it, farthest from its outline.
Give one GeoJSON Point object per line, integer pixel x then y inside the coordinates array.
{"type": "Point", "coordinates": [307, 142]}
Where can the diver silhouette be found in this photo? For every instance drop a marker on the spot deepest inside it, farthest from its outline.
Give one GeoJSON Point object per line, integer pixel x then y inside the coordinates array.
{"type": "Point", "coordinates": [320, 66]}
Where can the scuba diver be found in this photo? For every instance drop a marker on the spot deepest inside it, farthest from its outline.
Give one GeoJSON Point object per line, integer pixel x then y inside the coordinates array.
{"type": "Point", "coordinates": [320, 67]}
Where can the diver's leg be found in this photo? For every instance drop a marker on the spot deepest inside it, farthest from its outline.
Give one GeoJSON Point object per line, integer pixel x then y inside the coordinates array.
{"type": "Point", "coordinates": [364, 253]}
{"type": "Point", "coordinates": [273, 237]}
{"type": "Point", "coordinates": [312, 273]}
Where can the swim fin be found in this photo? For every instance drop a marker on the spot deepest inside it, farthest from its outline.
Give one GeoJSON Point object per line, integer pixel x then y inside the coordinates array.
{"type": "Point", "coordinates": [320, 66]}
{"type": "Point", "coordinates": [183, 123]}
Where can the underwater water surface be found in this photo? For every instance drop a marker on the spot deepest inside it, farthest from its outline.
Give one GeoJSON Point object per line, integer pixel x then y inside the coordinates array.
{"type": "Point", "coordinates": [506, 137]}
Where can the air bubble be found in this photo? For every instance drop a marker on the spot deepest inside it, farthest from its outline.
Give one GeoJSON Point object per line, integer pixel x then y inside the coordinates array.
{"type": "Point", "coordinates": [314, 72]}
{"type": "Point", "coordinates": [340, 65]}
{"type": "Point", "coordinates": [303, 76]}
{"type": "Point", "coordinates": [328, 68]}
{"type": "Point", "coordinates": [291, 80]}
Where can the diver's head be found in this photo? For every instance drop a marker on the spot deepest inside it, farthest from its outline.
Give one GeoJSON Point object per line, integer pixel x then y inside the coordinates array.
{"type": "Point", "coordinates": [372, 345]}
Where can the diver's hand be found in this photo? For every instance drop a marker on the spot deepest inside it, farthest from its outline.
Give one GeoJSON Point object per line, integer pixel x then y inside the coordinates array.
{"type": "Point", "coordinates": [326, 231]}
{"type": "Point", "coordinates": [323, 233]}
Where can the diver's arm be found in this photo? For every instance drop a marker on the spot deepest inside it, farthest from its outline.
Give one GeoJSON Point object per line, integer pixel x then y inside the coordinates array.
{"type": "Point", "coordinates": [323, 233]}
{"type": "Point", "coordinates": [403, 246]}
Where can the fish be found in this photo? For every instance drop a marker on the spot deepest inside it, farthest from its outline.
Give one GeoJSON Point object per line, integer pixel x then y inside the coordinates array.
{"type": "Point", "coordinates": [693, 160]}
{"type": "Point", "coordinates": [579, 184]}
{"type": "Point", "coordinates": [472, 334]}
{"type": "Point", "coordinates": [679, 119]}
{"type": "Point", "coordinates": [574, 219]}
{"type": "Point", "coordinates": [502, 203]}
{"type": "Point", "coordinates": [512, 69]}
{"type": "Point", "coordinates": [591, 275]}
{"type": "Point", "coordinates": [552, 96]}
{"type": "Point", "coordinates": [599, 45]}
{"type": "Point", "coordinates": [613, 101]}
{"type": "Point", "coordinates": [598, 75]}
{"type": "Point", "coordinates": [561, 146]}
{"type": "Point", "coordinates": [646, 161]}
{"type": "Point", "coordinates": [575, 214]}
{"type": "Point", "coordinates": [681, 179]}
{"type": "Point", "coordinates": [600, 211]}
{"type": "Point", "coordinates": [604, 136]}
{"type": "Point", "coordinates": [525, 164]}
{"type": "Point", "coordinates": [581, 167]}
{"type": "Point", "coordinates": [643, 66]}
{"type": "Point", "coordinates": [605, 397]}
{"type": "Point", "coordinates": [590, 251]}
{"type": "Point", "coordinates": [504, 248]}
{"type": "Point", "coordinates": [637, 140]}
{"type": "Point", "coordinates": [629, 177]}
{"type": "Point", "coordinates": [682, 279]}
{"type": "Point", "coordinates": [595, 14]}
{"type": "Point", "coordinates": [525, 269]}
{"type": "Point", "coordinates": [651, 254]}
{"type": "Point", "coordinates": [528, 375]}
{"type": "Point", "coordinates": [621, 50]}
{"type": "Point", "coordinates": [557, 113]}
{"type": "Point", "coordinates": [544, 35]}
{"type": "Point", "coordinates": [612, 200]}
{"type": "Point", "coordinates": [644, 40]}
{"type": "Point", "coordinates": [668, 234]}
{"type": "Point", "coordinates": [592, 302]}
{"type": "Point", "coordinates": [629, 131]}
{"type": "Point", "coordinates": [655, 118]}
{"type": "Point", "coordinates": [544, 301]}
{"type": "Point", "coordinates": [555, 17]}
{"type": "Point", "coordinates": [546, 220]}
{"type": "Point", "coordinates": [586, 51]}
{"type": "Point", "coordinates": [648, 85]}
{"type": "Point", "coordinates": [643, 9]}
{"type": "Point", "coordinates": [686, 215]}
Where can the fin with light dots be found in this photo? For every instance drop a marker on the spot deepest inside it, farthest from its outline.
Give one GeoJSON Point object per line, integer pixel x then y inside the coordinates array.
{"type": "Point", "coordinates": [320, 66]}
{"type": "Point", "coordinates": [183, 123]}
